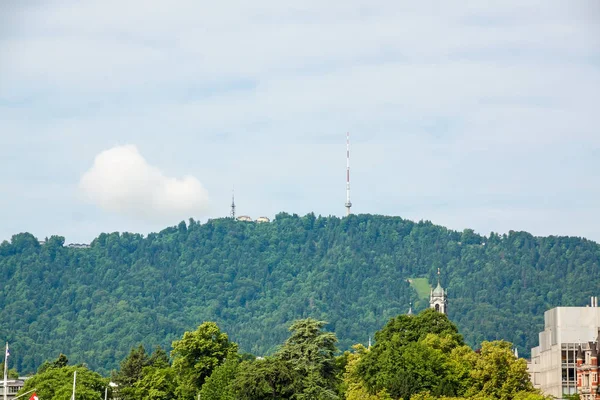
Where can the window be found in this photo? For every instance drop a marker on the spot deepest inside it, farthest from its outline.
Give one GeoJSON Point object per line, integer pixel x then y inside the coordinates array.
{"type": "Point", "coordinates": [571, 356]}
{"type": "Point", "coordinates": [14, 389]}
{"type": "Point", "coordinates": [437, 307]}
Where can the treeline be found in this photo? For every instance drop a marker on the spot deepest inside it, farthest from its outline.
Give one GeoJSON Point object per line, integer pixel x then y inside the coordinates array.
{"type": "Point", "coordinates": [418, 357]}
{"type": "Point", "coordinates": [254, 279]}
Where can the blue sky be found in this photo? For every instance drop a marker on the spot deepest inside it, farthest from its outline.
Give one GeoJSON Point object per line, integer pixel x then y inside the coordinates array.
{"type": "Point", "coordinates": [135, 115]}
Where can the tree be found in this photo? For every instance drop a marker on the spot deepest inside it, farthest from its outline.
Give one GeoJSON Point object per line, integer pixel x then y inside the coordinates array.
{"type": "Point", "coordinates": [355, 386]}
{"type": "Point", "coordinates": [131, 371]}
{"type": "Point", "coordinates": [61, 361]}
{"type": "Point", "coordinates": [197, 354]}
{"type": "Point", "coordinates": [411, 355]}
{"type": "Point", "coordinates": [101, 301]}
{"type": "Point", "coordinates": [218, 386]}
{"type": "Point", "coordinates": [498, 374]}
{"type": "Point", "coordinates": [57, 383]}
{"type": "Point", "coordinates": [268, 378]}
{"type": "Point", "coordinates": [310, 352]}
{"type": "Point", "coordinates": [12, 373]}
{"type": "Point", "coordinates": [156, 384]}
{"type": "Point", "coordinates": [159, 358]}
{"type": "Point", "coordinates": [404, 329]}
{"type": "Point", "coordinates": [135, 366]}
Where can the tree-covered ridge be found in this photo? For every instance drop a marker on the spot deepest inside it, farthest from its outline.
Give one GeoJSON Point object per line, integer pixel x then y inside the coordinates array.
{"type": "Point", "coordinates": [254, 279]}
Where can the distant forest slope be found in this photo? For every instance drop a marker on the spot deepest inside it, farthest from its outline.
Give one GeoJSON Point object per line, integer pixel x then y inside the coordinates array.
{"type": "Point", "coordinates": [253, 279]}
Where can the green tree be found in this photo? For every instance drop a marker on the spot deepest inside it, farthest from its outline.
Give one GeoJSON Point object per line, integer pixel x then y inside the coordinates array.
{"type": "Point", "coordinates": [131, 371]}
{"type": "Point", "coordinates": [310, 351]}
{"type": "Point", "coordinates": [268, 378]}
{"type": "Point", "coordinates": [159, 358]}
{"type": "Point", "coordinates": [355, 386]}
{"type": "Point", "coordinates": [57, 383]}
{"type": "Point", "coordinates": [61, 361]}
{"type": "Point", "coordinates": [411, 355]}
{"type": "Point", "coordinates": [197, 354]}
{"type": "Point", "coordinates": [126, 289]}
{"type": "Point", "coordinates": [498, 374]}
{"type": "Point", "coordinates": [218, 386]}
{"type": "Point", "coordinates": [12, 373]}
{"type": "Point", "coordinates": [156, 384]}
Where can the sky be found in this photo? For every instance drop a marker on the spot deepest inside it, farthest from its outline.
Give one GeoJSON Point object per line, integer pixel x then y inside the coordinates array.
{"type": "Point", "coordinates": [135, 115]}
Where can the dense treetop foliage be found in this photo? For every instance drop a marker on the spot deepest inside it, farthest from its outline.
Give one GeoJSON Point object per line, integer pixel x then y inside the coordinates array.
{"type": "Point", "coordinates": [255, 279]}
{"type": "Point", "coordinates": [431, 364]}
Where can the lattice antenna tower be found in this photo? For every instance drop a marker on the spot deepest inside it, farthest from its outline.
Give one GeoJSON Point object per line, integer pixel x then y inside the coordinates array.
{"type": "Point", "coordinates": [232, 204]}
{"type": "Point", "coordinates": [348, 202]}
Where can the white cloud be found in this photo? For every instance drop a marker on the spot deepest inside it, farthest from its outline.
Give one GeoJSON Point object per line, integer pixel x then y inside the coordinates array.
{"type": "Point", "coordinates": [122, 181]}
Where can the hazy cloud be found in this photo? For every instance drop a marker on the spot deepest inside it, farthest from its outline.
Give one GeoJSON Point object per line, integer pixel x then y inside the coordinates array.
{"type": "Point", "coordinates": [122, 181]}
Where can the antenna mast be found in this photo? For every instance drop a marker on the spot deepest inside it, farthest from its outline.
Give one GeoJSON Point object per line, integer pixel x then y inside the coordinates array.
{"type": "Point", "coordinates": [232, 204]}
{"type": "Point", "coordinates": [348, 202]}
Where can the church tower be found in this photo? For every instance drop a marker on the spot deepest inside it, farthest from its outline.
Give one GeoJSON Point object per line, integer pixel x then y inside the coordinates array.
{"type": "Point", "coordinates": [438, 298]}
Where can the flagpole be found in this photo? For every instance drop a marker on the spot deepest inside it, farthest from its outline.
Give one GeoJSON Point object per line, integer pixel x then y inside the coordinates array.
{"type": "Point", "coordinates": [24, 394]}
{"type": "Point", "coordinates": [5, 371]}
{"type": "Point", "coordinates": [74, 381]}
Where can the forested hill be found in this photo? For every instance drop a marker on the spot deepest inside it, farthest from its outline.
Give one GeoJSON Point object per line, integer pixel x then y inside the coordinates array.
{"type": "Point", "coordinates": [254, 279]}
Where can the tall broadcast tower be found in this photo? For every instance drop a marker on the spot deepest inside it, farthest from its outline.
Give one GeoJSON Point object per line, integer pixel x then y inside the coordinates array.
{"type": "Point", "coordinates": [232, 204]}
{"type": "Point", "coordinates": [348, 202]}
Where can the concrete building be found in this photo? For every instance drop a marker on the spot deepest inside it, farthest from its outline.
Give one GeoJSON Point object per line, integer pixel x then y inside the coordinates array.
{"type": "Point", "coordinates": [553, 365]}
{"type": "Point", "coordinates": [13, 386]}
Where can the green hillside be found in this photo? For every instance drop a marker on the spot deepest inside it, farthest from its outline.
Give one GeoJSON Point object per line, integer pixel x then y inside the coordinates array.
{"type": "Point", "coordinates": [421, 286]}
{"type": "Point", "coordinates": [254, 279]}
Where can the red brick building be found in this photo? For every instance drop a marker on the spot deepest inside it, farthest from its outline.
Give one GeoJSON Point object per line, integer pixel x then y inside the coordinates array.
{"type": "Point", "coordinates": [587, 371]}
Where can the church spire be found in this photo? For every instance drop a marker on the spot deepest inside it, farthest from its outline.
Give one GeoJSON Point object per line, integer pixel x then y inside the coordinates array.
{"type": "Point", "coordinates": [438, 298]}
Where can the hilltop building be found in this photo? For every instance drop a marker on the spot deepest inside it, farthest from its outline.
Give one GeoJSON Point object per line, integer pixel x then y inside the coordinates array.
{"type": "Point", "coordinates": [245, 218]}
{"type": "Point", "coordinates": [438, 298]}
{"type": "Point", "coordinates": [555, 367]}
{"type": "Point", "coordinates": [262, 219]}
{"type": "Point", "coordinates": [78, 246]}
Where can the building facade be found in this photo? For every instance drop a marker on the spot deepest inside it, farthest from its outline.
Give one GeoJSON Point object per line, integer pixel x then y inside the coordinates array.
{"type": "Point", "coordinates": [13, 386]}
{"type": "Point", "coordinates": [553, 367]}
{"type": "Point", "coordinates": [587, 370]}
